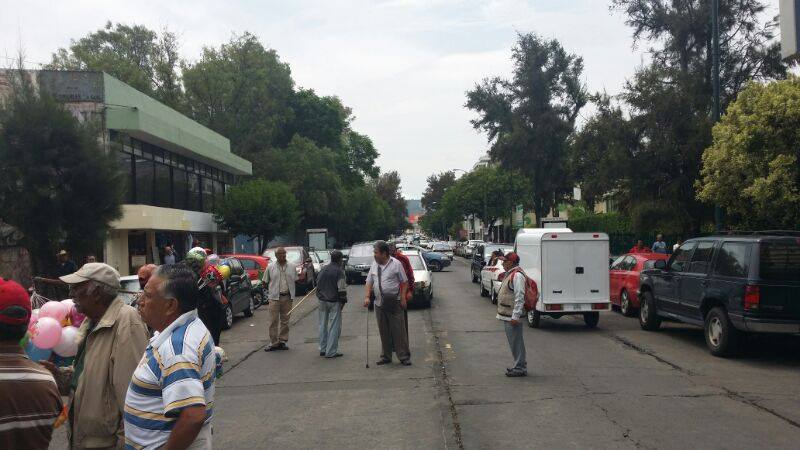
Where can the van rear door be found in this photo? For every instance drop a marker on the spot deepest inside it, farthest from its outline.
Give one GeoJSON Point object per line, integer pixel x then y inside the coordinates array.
{"type": "Point", "coordinates": [575, 270]}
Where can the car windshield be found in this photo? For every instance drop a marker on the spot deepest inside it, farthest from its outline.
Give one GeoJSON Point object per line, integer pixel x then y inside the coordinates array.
{"type": "Point", "coordinates": [780, 260]}
{"type": "Point", "coordinates": [361, 251]}
{"type": "Point", "coordinates": [416, 262]}
{"type": "Point", "coordinates": [441, 247]}
{"type": "Point", "coordinates": [324, 255]}
{"type": "Point", "coordinates": [293, 256]}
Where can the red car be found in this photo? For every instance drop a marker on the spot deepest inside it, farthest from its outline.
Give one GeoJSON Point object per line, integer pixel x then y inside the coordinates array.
{"type": "Point", "coordinates": [624, 274]}
{"type": "Point", "coordinates": [254, 266]}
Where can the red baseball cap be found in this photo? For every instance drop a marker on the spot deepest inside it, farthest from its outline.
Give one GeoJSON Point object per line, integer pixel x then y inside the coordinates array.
{"type": "Point", "coordinates": [510, 256]}
{"type": "Point", "coordinates": [12, 294]}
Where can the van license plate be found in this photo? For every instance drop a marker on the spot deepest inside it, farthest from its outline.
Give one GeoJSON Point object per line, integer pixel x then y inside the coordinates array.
{"type": "Point", "coordinates": [576, 307]}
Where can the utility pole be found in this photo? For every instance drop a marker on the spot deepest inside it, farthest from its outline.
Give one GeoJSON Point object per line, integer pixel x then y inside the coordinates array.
{"type": "Point", "coordinates": [718, 225]}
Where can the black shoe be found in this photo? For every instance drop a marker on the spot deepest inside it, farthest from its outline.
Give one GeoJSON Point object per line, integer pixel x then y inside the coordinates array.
{"type": "Point", "coordinates": [517, 373]}
{"type": "Point", "coordinates": [272, 348]}
{"type": "Point", "coordinates": [282, 346]}
{"type": "Point", "coordinates": [405, 363]}
{"type": "Point", "coordinates": [383, 361]}
{"type": "Point", "coordinates": [321, 353]}
{"type": "Point", "coordinates": [335, 356]}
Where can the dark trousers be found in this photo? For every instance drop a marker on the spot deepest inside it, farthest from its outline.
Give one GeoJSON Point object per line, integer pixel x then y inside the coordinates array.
{"type": "Point", "coordinates": [212, 318]}
{"type": "Point", "coordinates": [392, 327]}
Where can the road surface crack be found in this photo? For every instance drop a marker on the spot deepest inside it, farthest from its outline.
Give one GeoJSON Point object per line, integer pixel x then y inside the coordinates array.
{"type": "Point", "coordinates": [733, 395]}
{"type": "Point", "coordinates": [651, 354]}
{"type": "Point", "coordinates": [443, 381]}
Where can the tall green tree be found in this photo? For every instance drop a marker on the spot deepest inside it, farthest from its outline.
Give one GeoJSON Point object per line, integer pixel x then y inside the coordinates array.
{"type": "Point", "coordinates": [387, 186]}
{"type": "Point", "coordinates": [438, 184]}
{"type": "Point", "coordinates": [528, 119]}
{"type": "Point", "coordinates": [136, 55]}
{"type": "Point", "coordinates": [57, 185]}
{"type": "Point", "coordinates": [670, 99]}
{"type": "Point", "coordinates": [260, 209]}
{"type": "Point", "coordinates": [752, 166]}
{"type": "Point", "coordinates": [243, 91]}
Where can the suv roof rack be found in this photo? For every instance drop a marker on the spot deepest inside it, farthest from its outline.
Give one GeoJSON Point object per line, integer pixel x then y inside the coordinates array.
{"type": "Point", "coordinates": [792, 233]}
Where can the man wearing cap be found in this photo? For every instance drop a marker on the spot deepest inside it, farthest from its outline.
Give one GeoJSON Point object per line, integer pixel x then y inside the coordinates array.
{"type": "Point", "coordinates": [30, 402]}
{"type": "Point", "coordinates": [510, 306]}
{"type": "Point", "coordinates": [113, 340]}
{"type": "Point", "coordinates": [66, 266]}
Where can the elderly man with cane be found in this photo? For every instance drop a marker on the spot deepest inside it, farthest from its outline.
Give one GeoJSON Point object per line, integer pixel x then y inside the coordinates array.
{"type": "Point", "coordinates": [388, 281]}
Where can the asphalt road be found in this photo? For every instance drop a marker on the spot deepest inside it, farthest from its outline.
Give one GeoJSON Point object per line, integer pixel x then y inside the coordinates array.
{"type": "Point", "coordinates": [612, 387]}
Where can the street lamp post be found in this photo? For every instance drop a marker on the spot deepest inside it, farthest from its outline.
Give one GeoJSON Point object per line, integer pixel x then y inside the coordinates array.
{"type": "Point", "coordinates": [715, 77]}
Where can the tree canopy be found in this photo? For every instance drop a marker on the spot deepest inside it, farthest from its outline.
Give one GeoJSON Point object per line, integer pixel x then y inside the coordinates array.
{"type": "Point", "coordinates": [529, 118]}
{"type": "Point", "coordinates": [438, 184]}
{"type": "Point", "coordinates": [57, 185]}
{"type": "Point", "coordinates": [141, 57]}
{"type": "Point", "coordinates": [259, 209]}
{"type": "Point", "coordinates": [751, 168]}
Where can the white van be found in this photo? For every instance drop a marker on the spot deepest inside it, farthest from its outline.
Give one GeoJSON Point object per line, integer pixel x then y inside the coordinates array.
{"type": "Point", "coordinates": [570, 270]}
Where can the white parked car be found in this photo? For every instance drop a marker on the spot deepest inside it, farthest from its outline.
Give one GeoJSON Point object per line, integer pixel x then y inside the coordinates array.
{"type": "Point", "coordinates": [423, 279]}
{"type": "Point", "coordinates": [490, 277]}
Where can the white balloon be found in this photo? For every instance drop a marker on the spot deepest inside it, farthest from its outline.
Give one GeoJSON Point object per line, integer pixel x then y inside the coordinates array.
{"type": "Point", "coordinates": [68, 344]}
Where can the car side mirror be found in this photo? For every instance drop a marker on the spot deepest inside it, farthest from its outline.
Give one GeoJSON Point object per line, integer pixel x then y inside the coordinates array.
{"type": "Point", "coordinates": [660, 264]}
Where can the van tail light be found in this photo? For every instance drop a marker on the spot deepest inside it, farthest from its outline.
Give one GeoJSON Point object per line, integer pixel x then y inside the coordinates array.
{"type": "Point", "coordinates": [600, 306]}
{"type": "Point", "coordinates": [752, 298]}
{"type": "Point", "coordinates": [554, 307]}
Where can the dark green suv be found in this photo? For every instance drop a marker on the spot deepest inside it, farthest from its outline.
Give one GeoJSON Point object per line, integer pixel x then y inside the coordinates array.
{"type": "Point", "coordinates": [730, 285]}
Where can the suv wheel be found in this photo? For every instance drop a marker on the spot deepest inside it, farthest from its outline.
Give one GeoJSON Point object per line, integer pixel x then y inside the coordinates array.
{"type": "Point", "coordinates": [493, 296]}
{"type": "Point", "coordinates": [625, 304]}
{"type": "Point", "coordinates": [484, 292]}
{"type": "Point", "coordinates": [248, 312]}
{"type": "Point", "coordinates": [648, 318]}
{"type": "Point", "coordinates": [435, 266]}
{"type": "Point", "coordinates": [722, 338]}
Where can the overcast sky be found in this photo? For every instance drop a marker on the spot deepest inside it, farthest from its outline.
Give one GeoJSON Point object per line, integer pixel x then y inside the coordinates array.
{"type": "Point", "coordinates": [402, 65]}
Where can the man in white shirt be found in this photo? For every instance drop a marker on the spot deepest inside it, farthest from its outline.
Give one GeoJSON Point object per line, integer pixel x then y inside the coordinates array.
{"type": "Point", "coordinates": [280, 278]}
{"type": "Point", "coordinates": [388, 281]}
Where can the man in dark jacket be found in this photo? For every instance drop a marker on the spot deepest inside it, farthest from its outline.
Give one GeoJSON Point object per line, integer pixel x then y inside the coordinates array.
{"type": "Point", "coordinates": [332, 295]}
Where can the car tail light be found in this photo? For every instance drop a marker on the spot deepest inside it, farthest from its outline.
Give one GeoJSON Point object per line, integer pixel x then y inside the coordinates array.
{"type": "Point", "coordinates": [599, 305]}
{"type": "Point", "coordinates": [553, 236]}
{"type": "Point", "coordinates": [752, 297]}
{"type": "Point", "coordinates": [595, 235]}
{"type": "Point", "coordinates": [554, 307]}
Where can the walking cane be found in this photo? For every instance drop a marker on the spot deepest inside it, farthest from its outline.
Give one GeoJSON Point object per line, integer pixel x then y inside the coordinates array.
{"type": "Point", "coordinates": [366, 356]}
{"type": "Point", "coordinates": [303, 299]}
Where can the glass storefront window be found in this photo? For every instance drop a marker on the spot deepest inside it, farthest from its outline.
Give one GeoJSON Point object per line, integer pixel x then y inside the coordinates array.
{"type": "Point", "coordinates": [144, 181]}
{"type": "Point", "coordinates": [163, 186]}
{"type": "Point", "coordinates": [208, 194]}
{"type": "Point", "coordinates": [194, 192]}
{"type": "Point", "coordinates": [179, 189]}
{"type": "Point", "coordinates": [126, 167]}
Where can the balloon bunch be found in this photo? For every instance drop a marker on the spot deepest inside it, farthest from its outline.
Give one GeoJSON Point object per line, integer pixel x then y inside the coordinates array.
{"type": "Point", "coordinates": [54, 328]}
{"type": "Point", "coordinates": [212, 272]}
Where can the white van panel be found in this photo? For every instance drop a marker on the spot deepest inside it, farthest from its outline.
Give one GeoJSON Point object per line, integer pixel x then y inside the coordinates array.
{"type": "Point", "coordinates": [592, 285]}
{"type": "Point", "coordinates": [557, 271]}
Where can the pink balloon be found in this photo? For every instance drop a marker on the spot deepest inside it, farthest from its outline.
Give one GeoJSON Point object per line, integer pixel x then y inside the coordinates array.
{"type": "Point", "coordinates": [56, 310]}
{"type": "Point", "coordinates": [68, 344]}
{"type": "Point", "coordinates": [76, 318]}
{"type": "Point", "coordinates": [34, 317]}
{"type": "Point", "coordinates": [46, 333]}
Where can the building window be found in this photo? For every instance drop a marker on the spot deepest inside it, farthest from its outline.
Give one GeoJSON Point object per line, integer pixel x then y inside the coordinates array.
{"type": "Point", "coordinates": [208, 194]}
{"type": "Point", "coordinates": [144, 181]}
{"type": "Point", "coordinates": [194, 192]}
{"type": "Point", "coordinates": [126, 166]}
{"type": "Point", "coordinates": [180, 189]}
{"type": "Point", "coordinates": [163, 186]}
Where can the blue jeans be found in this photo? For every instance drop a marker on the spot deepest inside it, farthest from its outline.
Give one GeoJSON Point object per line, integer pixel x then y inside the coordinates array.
{"type": "Point", "coordinates": [330, 326]}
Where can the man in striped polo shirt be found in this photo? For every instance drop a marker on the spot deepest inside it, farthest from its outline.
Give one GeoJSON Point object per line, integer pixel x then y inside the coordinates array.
{"type": "Point", "coordinates": [29, 398]}
{"type": "Point", "coordinates": [171, 395]}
